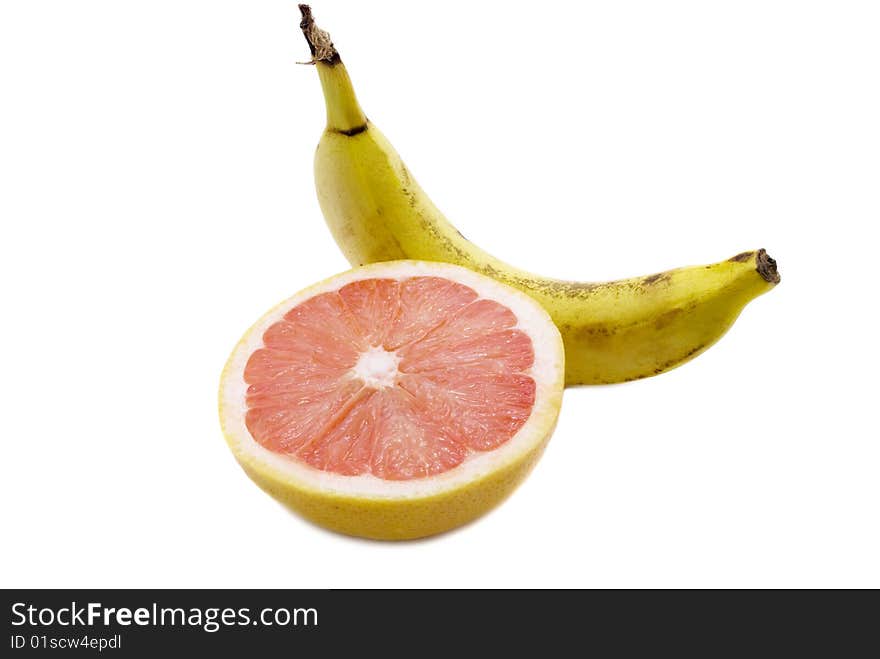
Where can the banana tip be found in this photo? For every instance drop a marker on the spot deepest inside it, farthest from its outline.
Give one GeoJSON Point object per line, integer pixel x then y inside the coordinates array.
{"type": "Point", "coordinates": [320, 45]}
{"type": "Point", "coordinates": [766, 267]}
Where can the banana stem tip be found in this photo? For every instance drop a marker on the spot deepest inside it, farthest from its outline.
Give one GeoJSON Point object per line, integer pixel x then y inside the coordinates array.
{"type": "Point", "coordinates": [766, 266]}
{"type": "Point", "coordinates": [319, 41]}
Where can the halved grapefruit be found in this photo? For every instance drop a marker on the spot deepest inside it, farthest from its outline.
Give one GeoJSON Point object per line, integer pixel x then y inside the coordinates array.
{"type": "Point", "coordinates": [396, 400]}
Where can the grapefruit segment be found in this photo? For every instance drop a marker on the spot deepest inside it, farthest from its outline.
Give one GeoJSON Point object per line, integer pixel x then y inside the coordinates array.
{"type": "Point", "coordinates": [401, 386]}
{"type": "Point", "coordinates": [425, 302]}
{"type": "Point", "coordinates": [374, 304]}
{"type": "Point", "coordinates": [483, 410]}
{"type": "Point", "coordinates": [504, 352]}
{"type": "Point", "coordinates": [410, 443]}
{"type": "Point", "coordinates": [347, 447]}
{"type": "Point", "coordinates": [289, 421]}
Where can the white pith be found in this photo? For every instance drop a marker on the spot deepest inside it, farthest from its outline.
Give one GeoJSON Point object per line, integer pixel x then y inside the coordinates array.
{"type": "Point", "coordinates": [377, 368]}
{"type": "Point", "coordinates": [547, 372]}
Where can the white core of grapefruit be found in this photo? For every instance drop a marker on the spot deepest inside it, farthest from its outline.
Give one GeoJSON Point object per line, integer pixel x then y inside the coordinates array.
{"type": "Point", "coordinates": [482, 479]}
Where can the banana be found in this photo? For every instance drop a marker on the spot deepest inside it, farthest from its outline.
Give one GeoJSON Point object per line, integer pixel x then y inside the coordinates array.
{"type": "Point", "coordinates": [613, 331]}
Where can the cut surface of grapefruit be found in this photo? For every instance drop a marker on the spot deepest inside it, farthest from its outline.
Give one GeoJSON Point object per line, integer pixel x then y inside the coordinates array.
{"type": "Point", "coordinates": [396, 400]}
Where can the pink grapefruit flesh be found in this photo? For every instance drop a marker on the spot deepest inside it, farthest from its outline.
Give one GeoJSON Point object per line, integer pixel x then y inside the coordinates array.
{"type": "Point", "coordinates": [399, 378]}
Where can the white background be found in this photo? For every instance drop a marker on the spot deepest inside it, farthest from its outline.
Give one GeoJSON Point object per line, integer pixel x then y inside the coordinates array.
{"type": "Point", "coordinates": [156, 197]}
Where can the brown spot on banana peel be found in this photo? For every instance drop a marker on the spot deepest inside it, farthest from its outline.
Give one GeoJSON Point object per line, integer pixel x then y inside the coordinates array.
{"type": "Point", "coordinates": [351, 132]}
{"type": "Point", "coordinates": [550, 287]}
{"type": "Point", "coordinates": [668, 365]}
{"type": "Point", "coordinates": [393, 246]}
{"type": "Point", "coordinates": [451, 252]}
{"type": "Point", "coordinates": [653, 279]}
{"type": "Point", "coordinates": [667, 317]}
{"type": "Point", "coordinates": [742, 257]}
{"type": "Point", "coordinates": [405, 175]}
{"type": "Point", "coordinates": [592, 332]}
{"type": "Point", "coordinates": [406, 187]}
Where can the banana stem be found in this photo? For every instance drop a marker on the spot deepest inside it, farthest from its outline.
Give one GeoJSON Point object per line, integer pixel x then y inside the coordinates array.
{"type": "Point", "coordinates": [319, 41]}
{"type": "Point", "coordinates": [766, 267]}
{"type": "Point", "coordinates": [344, 113]}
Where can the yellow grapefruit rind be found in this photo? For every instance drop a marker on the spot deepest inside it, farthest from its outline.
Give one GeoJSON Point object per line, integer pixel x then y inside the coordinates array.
{"type": "Point", "coordinates": [368, 507]}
